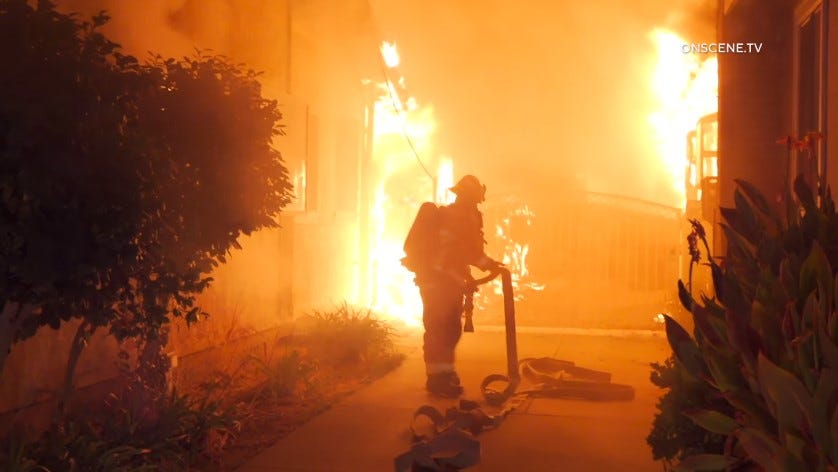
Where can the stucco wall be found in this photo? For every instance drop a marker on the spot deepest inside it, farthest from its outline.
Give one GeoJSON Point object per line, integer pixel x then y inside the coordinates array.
{"type": "Point", "coordinates": [755, 97]}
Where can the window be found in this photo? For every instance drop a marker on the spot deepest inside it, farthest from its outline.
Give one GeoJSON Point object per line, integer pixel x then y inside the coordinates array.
{"type": "Point", "coordinates": [710, 167]}
{"type": "Point", "coordinates": [708, 127]}
{"type": "Point", "coordinates": [692, 176]}
{"type": "Point", "coordinates": [809, 90]}
{"type": "Point", "coordinates": [295, 147]}
{"type": "Point", "coordinates": [347, 163]}
{"type": "Point", "coordinates": [709, 134]}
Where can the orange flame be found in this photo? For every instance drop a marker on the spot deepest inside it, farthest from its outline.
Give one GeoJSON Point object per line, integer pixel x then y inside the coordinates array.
{"type": "Point", "coordinates": [685, 88]}
{"type": "Point", "coordinates": [444, 182]}
{"type": "Point", "coordinates": [515, 252]}
{"type": "Point", "coordinates": [390, 54]}
{"type": "Point", "coordinates": [403, 133]}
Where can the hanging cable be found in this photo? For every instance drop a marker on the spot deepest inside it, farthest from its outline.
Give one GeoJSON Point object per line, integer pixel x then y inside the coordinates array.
{"type": "Point", "coordinates": [403, 120]}
{"type": "Point", "coordinates": [390, 86]}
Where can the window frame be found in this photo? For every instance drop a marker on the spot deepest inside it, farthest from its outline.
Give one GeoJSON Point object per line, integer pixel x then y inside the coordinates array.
{"type": "Point", "coordinates": [802, 13]}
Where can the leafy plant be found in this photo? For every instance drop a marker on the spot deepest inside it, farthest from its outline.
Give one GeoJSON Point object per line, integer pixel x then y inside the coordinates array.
{"type": "Point", "coordinates": [17, 457]}
{"type": "Point", "coordinates": [121, 184]}
{"type": "Point", "coordinates": [674, 436]}
{"type": "Point", "coordinates": [350, 337]}
{"type": "Point", "coordinates": [764, 345]}
{"type": "Point", "coordinates": [137, 430]}
{"type": "Point", "coordinates": [287, 374]}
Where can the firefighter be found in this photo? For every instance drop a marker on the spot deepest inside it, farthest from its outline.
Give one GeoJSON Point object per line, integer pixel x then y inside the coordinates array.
{"type": "Point", "coordinates": [445, 282]}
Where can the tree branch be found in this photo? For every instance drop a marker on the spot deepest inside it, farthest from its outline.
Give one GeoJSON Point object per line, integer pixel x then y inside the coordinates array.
{"type": "Point", "coordinates": [11, 320]}
{"type": "Point", "coordinates": [83, 332]}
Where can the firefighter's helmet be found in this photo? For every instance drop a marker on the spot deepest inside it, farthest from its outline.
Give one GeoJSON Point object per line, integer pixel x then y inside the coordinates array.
{"type": "Point", "coordinates": [469, 188]}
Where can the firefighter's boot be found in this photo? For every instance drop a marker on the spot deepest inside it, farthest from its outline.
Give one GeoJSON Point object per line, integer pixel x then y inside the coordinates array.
{"type": "Point", "coordinates": [444, 384]}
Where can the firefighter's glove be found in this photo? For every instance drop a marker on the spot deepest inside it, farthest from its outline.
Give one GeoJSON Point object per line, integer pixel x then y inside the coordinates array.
{"type": "Point", "coordinates": [489, 265]}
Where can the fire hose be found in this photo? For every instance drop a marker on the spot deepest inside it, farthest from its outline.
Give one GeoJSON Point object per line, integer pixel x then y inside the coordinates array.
{"type": "Point", "coordinates": [512, 377]}
{"type": "Point", "coordinates": [551, 377]}
{"type": "Point", "coordinates": [455, 429]}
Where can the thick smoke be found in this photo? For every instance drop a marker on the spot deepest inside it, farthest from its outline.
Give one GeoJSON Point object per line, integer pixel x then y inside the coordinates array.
{"type": "Point", "coordinates": [253, 32]}
{"type": "Point", "coordinates": [139, 27]}
{"type": "Point", "coordinates": [551, 91]}
{"type": "Point", "coordinates": [537, 98]}
{"type": "Point", "coordinates": [533, 94]}
{"type": "Point", "coordinates": [250, 291]}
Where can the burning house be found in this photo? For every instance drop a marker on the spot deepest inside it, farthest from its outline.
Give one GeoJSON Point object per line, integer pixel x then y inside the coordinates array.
{"type": "Point", "coordinates": [381, 114]}
{"type": "Point", "coordinates": [601, 129]}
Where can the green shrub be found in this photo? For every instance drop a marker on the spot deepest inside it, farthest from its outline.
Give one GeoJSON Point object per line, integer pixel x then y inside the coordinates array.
{"type": "Point", "coordinates": [764, 346]}
{"type": "Point", "coordinates": [290, 374]}
{"type": "Point", "coordinates": [134, 432]}
{"type": "Point", "coordinates": [349, 337]}
{"type": "Point", "coordinates": [674, 436]}
{"type": "Point", "coordinates": [16, 457]}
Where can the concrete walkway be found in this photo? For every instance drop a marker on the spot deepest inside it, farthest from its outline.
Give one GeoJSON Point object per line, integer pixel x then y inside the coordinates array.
{"type": "Point", "coordinates": [370, 428]}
